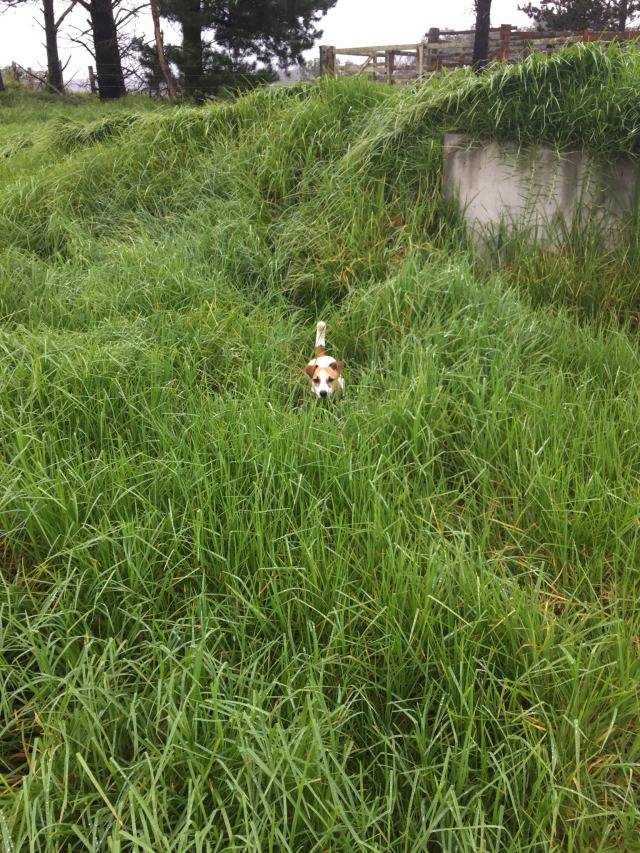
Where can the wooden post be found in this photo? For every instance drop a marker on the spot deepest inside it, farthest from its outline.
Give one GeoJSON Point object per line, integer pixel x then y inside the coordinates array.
{"type": "Point", "coordinates": [505, 38]}
{"type": "Point", "coordinates": [327, 60]}
{"type": "Point", "coordinates": [92, 81]}
{"type": "Point", "coordinates": [433, 37]}
{"type": "Point", "coordinates": [420, 61]}
{"type": "Point", "coordinates": [389, 64]}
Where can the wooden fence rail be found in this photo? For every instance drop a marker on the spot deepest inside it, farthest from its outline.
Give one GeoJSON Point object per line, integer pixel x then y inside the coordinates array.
{"type": "Point", "coordinates": [404, 63]}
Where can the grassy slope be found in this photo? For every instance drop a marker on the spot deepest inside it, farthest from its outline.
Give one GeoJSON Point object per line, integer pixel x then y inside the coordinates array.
{"type": "Point", "coordinates": [231, 619]}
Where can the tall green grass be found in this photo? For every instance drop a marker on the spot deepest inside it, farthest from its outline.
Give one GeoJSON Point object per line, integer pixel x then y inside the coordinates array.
{"type": "Point", "coordinates": [232, 619]}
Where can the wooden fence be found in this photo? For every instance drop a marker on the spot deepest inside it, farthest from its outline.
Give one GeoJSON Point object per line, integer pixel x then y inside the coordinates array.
{"type": "Point", "coordinates": [404, 63]}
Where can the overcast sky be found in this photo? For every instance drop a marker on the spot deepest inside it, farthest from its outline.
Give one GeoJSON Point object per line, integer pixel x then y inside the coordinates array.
{"type": "Point", "coordinates": [351, 23]}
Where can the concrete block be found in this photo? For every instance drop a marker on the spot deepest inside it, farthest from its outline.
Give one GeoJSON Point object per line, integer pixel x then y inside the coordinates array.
{"type": "Point", "coordinates": [542, 194]}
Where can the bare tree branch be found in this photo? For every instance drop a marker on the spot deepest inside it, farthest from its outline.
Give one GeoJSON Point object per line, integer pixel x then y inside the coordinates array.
{"type": "Point", "coordinates": [69, 8]}
{"type": "Point", "coordinates": [82, 44]}
{"type": "Point", "coordinates": [37, 77]}
{"type": "Point", "coordinates": [11, 4]}
{"type": "Point", "coordinates": [123, 17]}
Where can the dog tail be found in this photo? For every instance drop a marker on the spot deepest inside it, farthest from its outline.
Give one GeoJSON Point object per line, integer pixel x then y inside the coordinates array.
{"type": "Point", "coordinates": [321, 342]}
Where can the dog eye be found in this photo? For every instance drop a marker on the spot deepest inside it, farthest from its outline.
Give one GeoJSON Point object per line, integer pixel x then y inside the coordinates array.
{"type": "Point", "coordinates": [330, 379]}
{"type": "Point", "coordinates": [316, 381]}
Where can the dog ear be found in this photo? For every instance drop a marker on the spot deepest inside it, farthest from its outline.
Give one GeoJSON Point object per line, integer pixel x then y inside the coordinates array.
{"type": "Point", "coordinates": [310, 369]}
{"type": "Point", "coordinates": [337, 366]}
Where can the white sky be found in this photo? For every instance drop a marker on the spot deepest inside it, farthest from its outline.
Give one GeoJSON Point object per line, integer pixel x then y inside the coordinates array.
{"type": "Point", "coordinates": [351, 23]}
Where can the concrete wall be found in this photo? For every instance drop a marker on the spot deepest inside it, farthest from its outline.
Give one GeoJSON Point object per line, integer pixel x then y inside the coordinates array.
{"type": "Point", "coordinates": [541, 194]}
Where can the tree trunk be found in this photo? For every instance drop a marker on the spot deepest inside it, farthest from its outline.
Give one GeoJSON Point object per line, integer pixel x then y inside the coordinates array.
{"type": "Point", "coordinates": [105, 41]}
{"type": "Point", "coordinates": [622, 15]}
{"type": "Point", "coordinates": [162, 59]}
{"type": "Point", "coordinates": [481, 40]}
{"type": "Point", "coordinates": [193, 53]}
{"type": "Point", "coordinates": [54, 69]}
{"type": "Point", "coordinates": [1, 83]}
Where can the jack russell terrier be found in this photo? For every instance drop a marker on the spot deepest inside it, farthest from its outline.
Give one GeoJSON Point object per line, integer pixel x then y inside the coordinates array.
{"type": "Point", "coordinates": [324, 370]}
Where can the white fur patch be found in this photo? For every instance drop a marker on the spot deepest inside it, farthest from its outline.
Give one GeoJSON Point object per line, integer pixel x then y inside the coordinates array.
{"type": "Point", "coordinates": [324, 383]}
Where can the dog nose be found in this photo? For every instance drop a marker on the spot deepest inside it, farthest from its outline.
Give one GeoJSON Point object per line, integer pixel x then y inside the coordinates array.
{"type": "Point", "coordinates": [323, 393]}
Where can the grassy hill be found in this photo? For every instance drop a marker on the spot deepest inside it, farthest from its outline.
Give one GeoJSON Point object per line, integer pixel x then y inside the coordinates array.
{"type": "Point", "coordinates": [232, 619]}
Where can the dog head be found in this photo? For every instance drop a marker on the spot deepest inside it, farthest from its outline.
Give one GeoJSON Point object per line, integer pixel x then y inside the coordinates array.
{"type": "Point", "coordinates": [324, 373]}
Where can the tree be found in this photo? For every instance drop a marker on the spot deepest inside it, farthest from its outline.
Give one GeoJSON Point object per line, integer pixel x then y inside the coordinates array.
{"type": "Point", "coordinates": [1, 82]}
{"type": "Point", "coordinates": [190, 57]}
{"type": "Point", "coordinates": [161, 56]}
{"type": "Point", "coordinates": [481, 39]}
{"type": "Point", "coordinates": [596, 15]}
{"type": "Point", "coordinates": [51, 27]}
{"type": "Point", "coordinates": [149, 70]}
{"type": "Point", "coordinates": [106, 50]}
{"type": "Point", "coordinates": [227, 38]}
{"type": "Point", "coordinates": [311, 69]}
